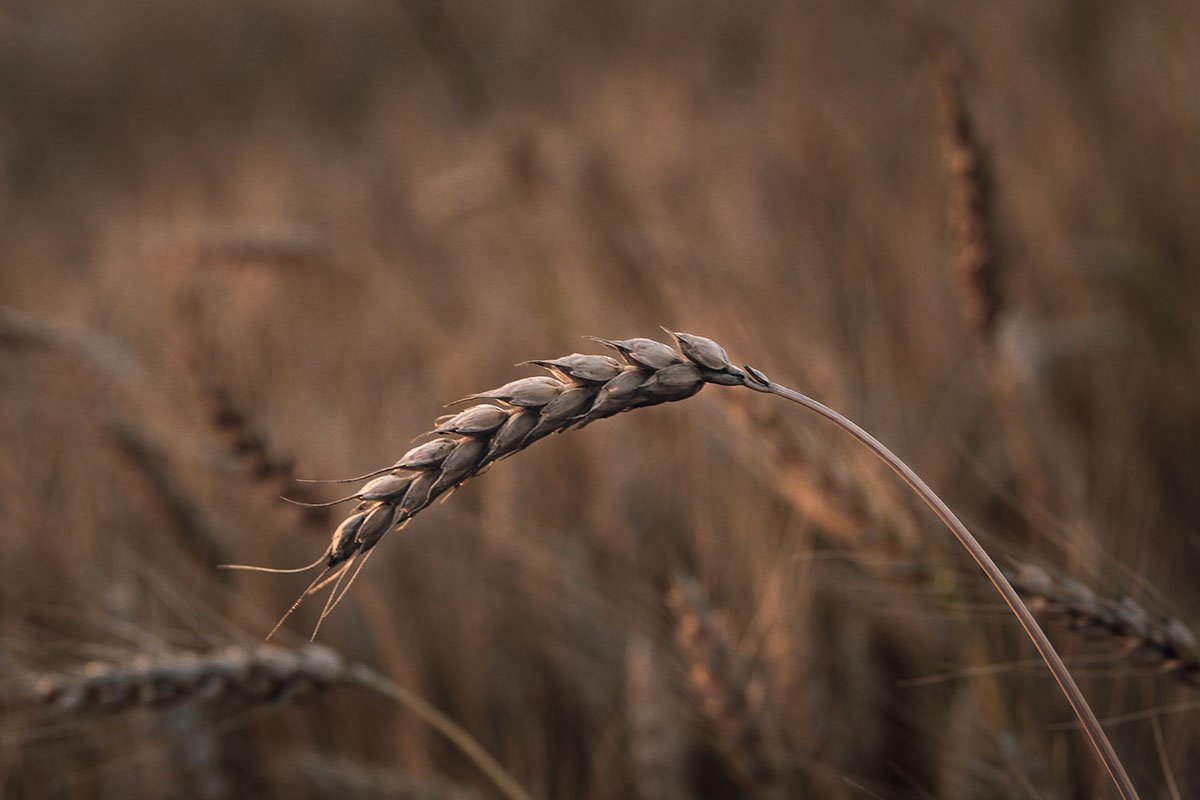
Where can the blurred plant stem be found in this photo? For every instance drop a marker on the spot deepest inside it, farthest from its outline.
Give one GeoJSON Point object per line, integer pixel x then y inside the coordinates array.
{"type": "Point", "coordinates": [758, 382]}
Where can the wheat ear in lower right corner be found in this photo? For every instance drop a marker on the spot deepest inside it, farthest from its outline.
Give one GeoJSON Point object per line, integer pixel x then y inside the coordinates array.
{"type": "Point", "coordinates": [583, 388]}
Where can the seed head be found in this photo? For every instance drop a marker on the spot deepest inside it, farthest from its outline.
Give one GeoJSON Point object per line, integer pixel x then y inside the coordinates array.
{"type": "Point", "coordinates": [582, 368]}
{"type": "Point", "coordinates": [428, 455]}
{"type": "Point", "coordinates": [643, 352]}
{"type": "Point", "coordinates": [616, 395]}
{"type": "Point", "coordinates": [460, 464]}
{"type": "Point", "coordinates": [525, 393]}
{"type": "Point", "coordinates": [560, 411]}
{"type": "Point", "coordinates": [375, 524]}
{"type": "Point", "coordinates": [477, 420]}
{"type": "Point", "coordinates": [386, 487]}
{"type": "Point", "coordinates": [675, 382]}
{"type": "Point", "coordinates": [512, 434]}
{"type": "Point", "coordinates": [702, 352]}
{"type": "Point", "coordinates": [587, 388]}
{"type": "Point", "coordinates": [344, 544]}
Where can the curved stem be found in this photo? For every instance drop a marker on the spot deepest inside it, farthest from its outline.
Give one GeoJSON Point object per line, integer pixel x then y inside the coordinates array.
{"type": "Point", "coordinates": [1062, 675]}
{"type": "Point", "coordinates": [459, 737]}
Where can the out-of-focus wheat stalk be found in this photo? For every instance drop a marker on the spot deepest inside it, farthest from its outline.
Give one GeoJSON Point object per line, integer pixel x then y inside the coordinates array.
{"type": "Point", "coordinates": [97, 350]}
{"type": "Point", "coordinates": [1167, 646]}
{"type": "Point", "coordinates": [166, 499]}
{"type": "Point", "coordinates": [969, 208]}
{"type": "Point", "coordinates": [1041, 459]}
{"type": "Point", "coordinates": [721, 685]}
{"type": "Point", "coordinates": [268, 471]}
{"type": "Point", "coordinates": [262, 674]}
{"type": "Point", "coordinates": [656, 741]}
{"type": "Point", "coordinates": [858, 512]}
{"type": "Point", "coordinates": [342, 777]}
{"type": "Point", "coordinates": [147, 465]}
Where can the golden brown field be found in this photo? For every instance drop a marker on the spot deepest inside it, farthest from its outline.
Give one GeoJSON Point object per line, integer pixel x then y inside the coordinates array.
{"type": "Point", "coordinates": [242, 243]}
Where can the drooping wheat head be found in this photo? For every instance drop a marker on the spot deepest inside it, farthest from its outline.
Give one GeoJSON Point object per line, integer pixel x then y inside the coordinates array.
{"type": "Point", "coordinates": [580, 389]}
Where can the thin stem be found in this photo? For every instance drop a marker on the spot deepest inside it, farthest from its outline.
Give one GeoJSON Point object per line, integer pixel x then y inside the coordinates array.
{"type": "Point", "coordinates": [1062, 675]}
{"type": "Point", "coordinates": [459, 737]}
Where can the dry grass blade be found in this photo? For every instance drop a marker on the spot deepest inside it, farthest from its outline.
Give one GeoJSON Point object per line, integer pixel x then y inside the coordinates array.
{"type": "Point", "coordinates": [263, 674]}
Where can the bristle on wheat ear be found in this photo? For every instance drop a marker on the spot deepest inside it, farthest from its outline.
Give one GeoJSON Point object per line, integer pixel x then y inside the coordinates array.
{"type": "Point", "coordinates": [656, 374]}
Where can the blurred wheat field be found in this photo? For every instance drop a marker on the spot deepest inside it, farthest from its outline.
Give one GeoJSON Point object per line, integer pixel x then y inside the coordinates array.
{"type": "Point", "coordinates": [243, 244]}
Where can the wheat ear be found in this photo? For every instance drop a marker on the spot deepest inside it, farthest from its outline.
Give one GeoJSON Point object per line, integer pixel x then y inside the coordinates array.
{"type": "Point", "coordinates": [1167, 646]}
{"type": "Point", "coordinates": [969, 208]}
{"type": "Point", "coordinates": [580, 390]}
{"type": "Point", "coordinates": [586, 388]}
{"type": "Point", "coordinates": [257, 675]}
{"type": "Point", "coordinates": [268, 470]}
{"type": "Point", "coordinates": [719, 682]}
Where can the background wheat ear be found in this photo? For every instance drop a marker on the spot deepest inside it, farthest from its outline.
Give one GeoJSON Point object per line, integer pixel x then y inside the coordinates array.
{"type": "Point", "coordinates": [720, 684]}
{"type": "Point", "coordinates": [1160, 645]}
{"type": "Point", "coordinates": [269, 472]}
{"type": "Point", "coordinates": [969, 211]}
{"type": "Point", "coordinates": [237, 676]}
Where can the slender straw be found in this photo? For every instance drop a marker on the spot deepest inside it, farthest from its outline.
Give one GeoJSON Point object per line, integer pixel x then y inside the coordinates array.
{"type": "Point", "coordinates": [759, 382]}
{"type": "Point", "coordinates": [466, 744]}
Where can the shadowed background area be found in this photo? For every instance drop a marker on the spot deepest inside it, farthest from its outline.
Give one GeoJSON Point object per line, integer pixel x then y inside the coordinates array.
{"type": "Point", "coordinates": [241, 243]}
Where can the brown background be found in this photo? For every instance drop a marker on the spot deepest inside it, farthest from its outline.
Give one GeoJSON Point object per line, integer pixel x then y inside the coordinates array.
{"type": "Point", "coordinates": [344, 215]}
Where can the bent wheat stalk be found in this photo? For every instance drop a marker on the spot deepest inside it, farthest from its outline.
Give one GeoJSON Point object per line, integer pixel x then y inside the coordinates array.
{"type": "Point", "coordinates": [1079, 704]}
{"type": "Point", "coordinates": [584, 388]}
